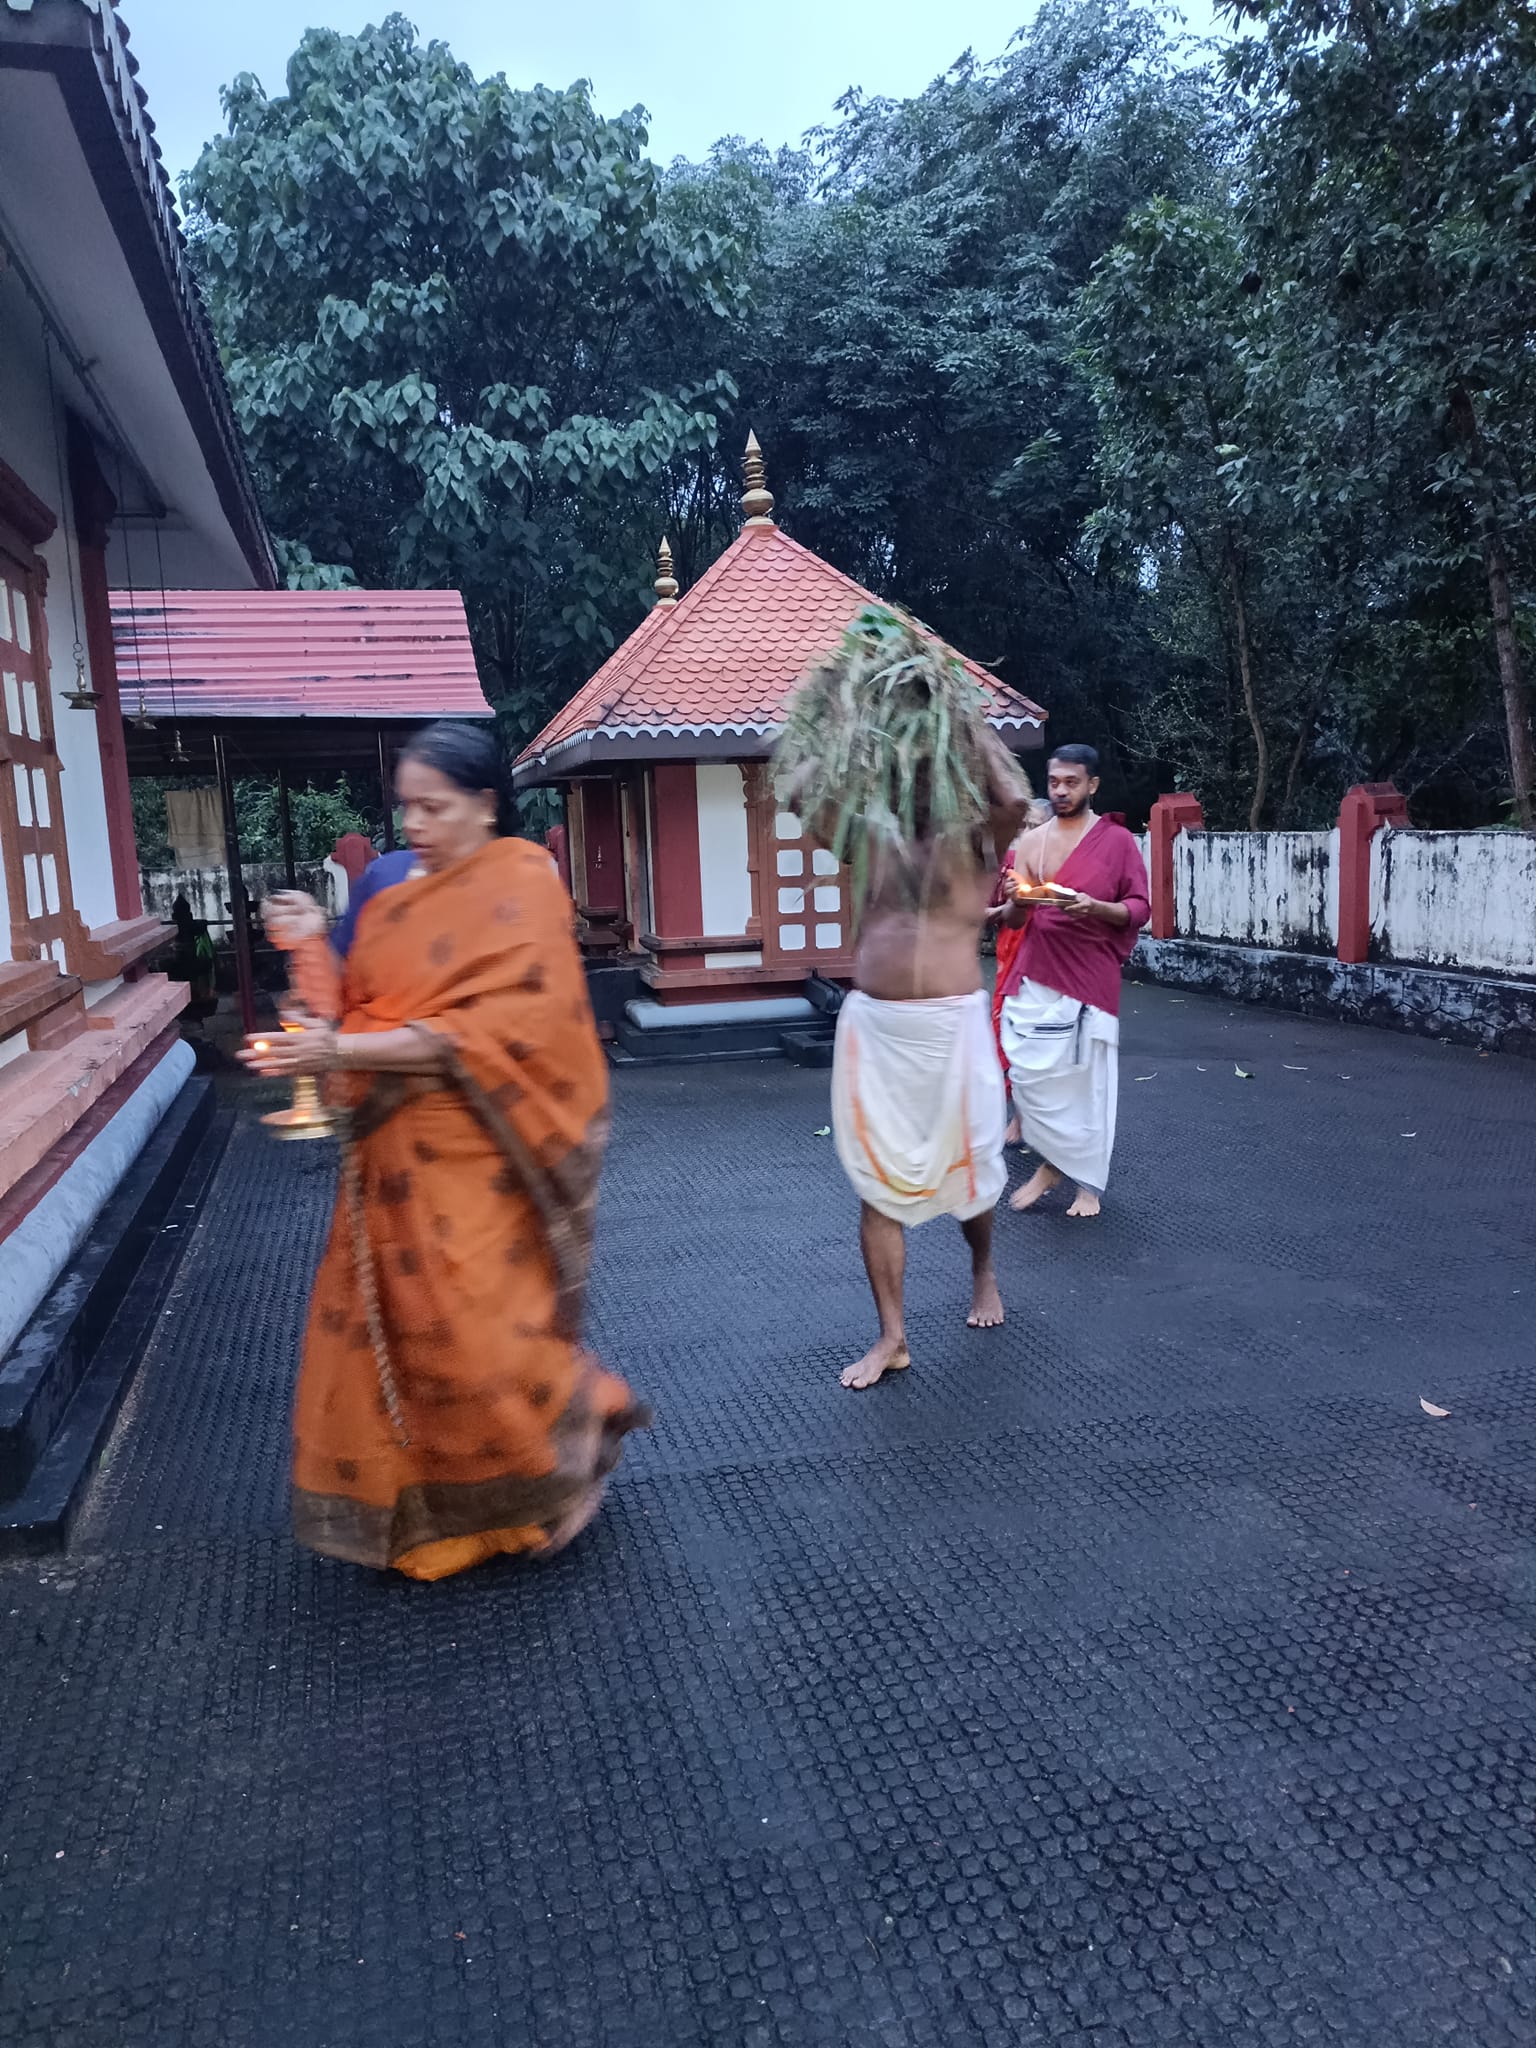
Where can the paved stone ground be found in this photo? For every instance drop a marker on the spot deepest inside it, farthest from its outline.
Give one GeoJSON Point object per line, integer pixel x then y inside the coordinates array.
{"type": "Point", "coordinates": [1154, 1671]}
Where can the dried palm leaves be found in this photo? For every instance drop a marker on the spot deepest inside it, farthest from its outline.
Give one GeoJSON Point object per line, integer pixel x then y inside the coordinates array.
{"type": "Point", "coordinates": [885, 740]}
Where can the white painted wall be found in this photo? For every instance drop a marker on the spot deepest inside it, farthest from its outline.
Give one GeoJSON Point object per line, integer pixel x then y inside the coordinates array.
{"type": "Point", "coordinates": [207, 889]}
{"type": "Point", "coordinates": [74, 732]}
{"type": "Point", "coordinates": [1462, 900]}
{"type": "Point", "coordinates": [1455, 900]}
{"type": "Point", "coordinates": [1274, 889]}
{"type": "Point", "coordinates": [725, 878]}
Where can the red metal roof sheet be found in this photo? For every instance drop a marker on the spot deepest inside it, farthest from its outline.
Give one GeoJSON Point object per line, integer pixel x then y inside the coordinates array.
{"type": "Point", "coordinates": [375, 654]}
{"type": "Point", "coordinates": [726, 657]}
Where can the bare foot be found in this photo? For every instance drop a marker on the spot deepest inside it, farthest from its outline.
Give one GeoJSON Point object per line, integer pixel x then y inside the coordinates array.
{"type": "Point", "coordinates": [1040, 1182]}
{"type": "Point", "coordinates": [1014, 1135]}
{"type": "Point", "coordinates": [889, 1355]}
{"type": "Point", "coordinates": [1087, 1203]}
{"type": "Point", "coordinates": [986, 1303]}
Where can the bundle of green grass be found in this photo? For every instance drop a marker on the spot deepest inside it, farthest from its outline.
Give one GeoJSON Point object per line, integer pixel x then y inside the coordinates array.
{"type": "Point", "coordinates": [886, 740]}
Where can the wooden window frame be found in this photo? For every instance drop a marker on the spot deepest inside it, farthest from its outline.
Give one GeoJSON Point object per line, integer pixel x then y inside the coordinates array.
{"type": "Point", "coordinates": [26, 701]}
{"type": "Point", "coordinates": [763, 810]}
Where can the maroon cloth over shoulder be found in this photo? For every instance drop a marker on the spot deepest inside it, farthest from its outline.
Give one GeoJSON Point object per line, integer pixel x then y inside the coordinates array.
{"type": "Point", "coordinates": [1081, 956]}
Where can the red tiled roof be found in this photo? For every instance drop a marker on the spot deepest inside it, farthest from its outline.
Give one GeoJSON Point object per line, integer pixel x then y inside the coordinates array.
{"type": "Point", "coordinates": [375, 654]}
{"type": "Point", "coordinates": [725, 658]}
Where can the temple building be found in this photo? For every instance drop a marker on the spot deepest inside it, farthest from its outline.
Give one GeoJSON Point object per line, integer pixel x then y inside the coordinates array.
{"type": "Point", "coordinates": [679, 856]}
{"type": "Point", "coordinates": [120, 463]}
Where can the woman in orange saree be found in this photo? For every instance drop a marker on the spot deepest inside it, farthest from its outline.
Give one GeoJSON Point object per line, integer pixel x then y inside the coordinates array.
{"type": "Point", "coordinates": [446, 1411]}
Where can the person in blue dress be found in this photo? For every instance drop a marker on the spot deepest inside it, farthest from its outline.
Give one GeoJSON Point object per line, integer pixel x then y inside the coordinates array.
{"type": "Point", "coordinates": [379, 874]}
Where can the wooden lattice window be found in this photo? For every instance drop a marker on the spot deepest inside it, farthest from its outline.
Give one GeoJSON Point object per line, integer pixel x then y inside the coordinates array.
{"type": "Point", "coordinates": [42, 912]}
{"type": "Point", "coordinates": [807, 897]}
{"type": "Point", "coordinates": [803, 897]}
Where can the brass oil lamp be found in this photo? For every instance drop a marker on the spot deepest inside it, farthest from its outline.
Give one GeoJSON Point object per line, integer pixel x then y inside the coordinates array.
{"type": "Point", "coordinates": [307, 1115]}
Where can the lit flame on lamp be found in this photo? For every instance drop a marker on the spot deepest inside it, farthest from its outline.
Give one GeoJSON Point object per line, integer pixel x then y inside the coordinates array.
{"type": "Point", "coordinates": [307, 1116]}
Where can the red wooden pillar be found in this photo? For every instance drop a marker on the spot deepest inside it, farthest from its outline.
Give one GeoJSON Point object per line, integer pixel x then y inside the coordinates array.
{"type": "Point", "coordinates": [1365, 809]}
{"type": "Point", "coordinates": [239, 909]}
{"type": "Point", "coordinates": [679, 894]}
{"type": "Point", "coordinates": [1171, 815]}
{"type": "Point", "coordinates": [599, 887]}
{"type": "Point", "coordinates": [557, 842]}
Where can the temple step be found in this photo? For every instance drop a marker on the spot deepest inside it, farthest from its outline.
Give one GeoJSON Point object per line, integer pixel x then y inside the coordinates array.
{"type": "Point", "coordinates": [63, 1379]}
{"type": "Point", "coordinates": [811, 1047]}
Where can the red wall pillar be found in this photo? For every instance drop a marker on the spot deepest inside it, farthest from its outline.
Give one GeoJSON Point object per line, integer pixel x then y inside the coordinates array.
{"type": "Point", "coordinates": [600, 886]}
{"type": "Point", "coordinates": [1365, 809]}
{"type": "Point", "coordinates": [1171, 815]}
{"type": "Point", "coordinates": [679, 893]}
{"type": "Point", "coordinates": [559, 846]}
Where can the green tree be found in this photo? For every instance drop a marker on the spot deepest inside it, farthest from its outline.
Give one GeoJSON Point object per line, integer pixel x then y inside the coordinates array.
{"type": "Point", "coordinates": [1392, 212]}
{"type": "Point", "coordinates": [908, 357]}
{"type": "Point", "coordinates": [447, 311]}
{"type": "Point", "coordinates": [319, 816]}
{"type": "Point", "coordinates": [1185, 449]}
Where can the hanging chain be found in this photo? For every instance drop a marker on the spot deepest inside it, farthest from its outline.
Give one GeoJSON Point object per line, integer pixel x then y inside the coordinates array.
{"type": "Point", "coordinates": [142, 718]}
{"type": "Point", "coordinates": [170, 652]}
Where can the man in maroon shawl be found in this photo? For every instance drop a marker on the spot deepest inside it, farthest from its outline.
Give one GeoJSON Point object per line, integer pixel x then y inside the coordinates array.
{"type": "Point", "coordinates": [1061, 993]}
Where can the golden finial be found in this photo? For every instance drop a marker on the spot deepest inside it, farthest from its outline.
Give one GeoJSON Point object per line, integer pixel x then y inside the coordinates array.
{"type": "Point", "coordinates": [757, 499]}
{"type": "Point", "coordinates": [666, 582]}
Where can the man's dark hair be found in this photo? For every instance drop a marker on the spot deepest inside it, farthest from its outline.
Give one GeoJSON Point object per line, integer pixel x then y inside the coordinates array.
{"type": "Point", "coordinates": [1076, 755]}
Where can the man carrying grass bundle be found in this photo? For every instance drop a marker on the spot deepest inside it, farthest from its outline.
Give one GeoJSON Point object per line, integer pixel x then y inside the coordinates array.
{"type": "Point", "coordinates": [887, 758]}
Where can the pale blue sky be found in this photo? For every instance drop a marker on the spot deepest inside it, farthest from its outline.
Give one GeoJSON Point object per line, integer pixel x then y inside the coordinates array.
{"type": "Point", "coordinates": [768, 72]}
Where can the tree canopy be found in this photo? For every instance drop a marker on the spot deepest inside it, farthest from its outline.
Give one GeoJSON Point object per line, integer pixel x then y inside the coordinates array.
{"type": "Point", "coordinates": [446, 307]}
{"type": "Point", "coordinates": [1192, 387]}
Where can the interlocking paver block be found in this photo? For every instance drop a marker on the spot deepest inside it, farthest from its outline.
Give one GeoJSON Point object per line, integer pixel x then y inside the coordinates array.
{"type": "Point", "coordinates": [1141, 1674]}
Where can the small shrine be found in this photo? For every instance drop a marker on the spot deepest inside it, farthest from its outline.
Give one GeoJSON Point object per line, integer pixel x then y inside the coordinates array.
{"type": "Point", "coordinates": [679, 856]}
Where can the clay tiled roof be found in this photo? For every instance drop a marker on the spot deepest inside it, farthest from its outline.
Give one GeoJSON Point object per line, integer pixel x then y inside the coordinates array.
{"type": "Point", "coordinates": [285, 654]}
{"type": "Point", "coordinates": [721, 663]}
{"type": "Point", "coordinates": [86, 40]}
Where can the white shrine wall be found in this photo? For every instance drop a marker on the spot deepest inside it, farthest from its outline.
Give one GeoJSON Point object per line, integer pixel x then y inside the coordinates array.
{"type": "Point", "coordinates": [725, 873]}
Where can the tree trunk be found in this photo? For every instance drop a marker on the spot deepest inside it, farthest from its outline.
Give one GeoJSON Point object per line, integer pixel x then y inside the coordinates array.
{"type": "Point", "coordinates": [1250, 697]}
{"type": "Point", "coordinates": [1517, 691]}
{"type": "Point", "coordinates": [1304, 739]}
{"type": "Point", "coordinates": [1293, 772]}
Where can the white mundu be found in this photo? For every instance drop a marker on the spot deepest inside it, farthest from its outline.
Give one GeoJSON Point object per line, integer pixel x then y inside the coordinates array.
{"type": "Point", "coordinates": [918, 1106]}
{"type": "Point", "coordinates": [1064, 1068]}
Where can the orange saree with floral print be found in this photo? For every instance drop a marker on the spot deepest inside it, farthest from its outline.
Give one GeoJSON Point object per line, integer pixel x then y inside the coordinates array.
{"type": "Point", "coordinates": [446, 1411]}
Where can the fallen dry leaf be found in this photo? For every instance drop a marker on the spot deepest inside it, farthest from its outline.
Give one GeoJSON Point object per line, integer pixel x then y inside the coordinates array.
{"type": "Point", "coordinates": [1242, 1073]}
{"type": "Point", "coordinates": [1148, 1077]}
{"type": "Point", "coordinates": [824, 1132]}
{"type": "Point", "coordinates": [1407, 1134]}
{"type": "Point", "coordinates": [1293, 1070]}
{"type": "Point", "coordinates": [1202, 1070]}
{"type": "Point", "coordinates": [1430, 1409]}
